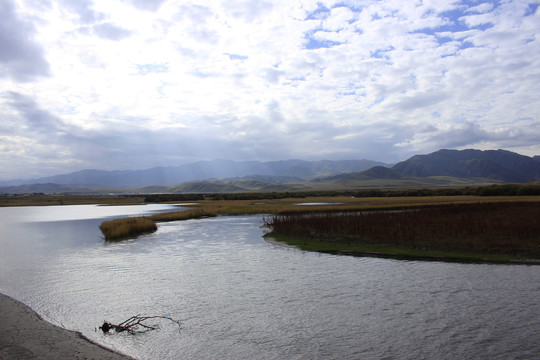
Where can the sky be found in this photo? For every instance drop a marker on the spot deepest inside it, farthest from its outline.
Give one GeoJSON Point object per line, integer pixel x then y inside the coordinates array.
{"type": "Point", "coordinates": [134, 84]}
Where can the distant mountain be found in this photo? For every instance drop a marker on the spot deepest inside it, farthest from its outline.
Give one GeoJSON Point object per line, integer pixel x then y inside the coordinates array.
{"type": "Point", "coordinates": [224, 186]}
{"type": "Point", "coordinates": [269, 178]}
{"type": "Point", "coordinates": [381, 172]}
{"type": "Point", "coordinates": [440, 168]}
{"type": "Point", "coordinates": [500, 165]}
{"type": "Point", "coordinates": [206, 187]}
{"type": "Point", "coordinates": [48, 188]}
{"type": "Point", "coordinates": [293, 170]}
{"type": "Point", "coordinates": [376, 172]}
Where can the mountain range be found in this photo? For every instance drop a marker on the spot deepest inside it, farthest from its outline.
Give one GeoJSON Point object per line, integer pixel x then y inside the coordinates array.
{"type": "Point", "coordinates": [286, 171]}
{"type": "Point", "coordinates": [440, 168]}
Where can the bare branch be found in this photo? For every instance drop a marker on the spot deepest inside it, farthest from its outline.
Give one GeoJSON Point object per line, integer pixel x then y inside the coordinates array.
{"type": "Point", "coordinates": [136, 324]}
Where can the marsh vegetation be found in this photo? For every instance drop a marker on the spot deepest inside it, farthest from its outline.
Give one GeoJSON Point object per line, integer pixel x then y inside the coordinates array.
{"type": "Point", "coordinates": [500, 230]}
{"type": "Point", "coordinates": [497, 228]}
{"type": "Point", "coordinates": [118, 229]}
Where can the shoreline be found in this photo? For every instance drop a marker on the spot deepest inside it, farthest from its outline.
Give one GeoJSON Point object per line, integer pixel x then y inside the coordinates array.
{"type": "Point", "coordinates": [272, 240]}
{"type": "Point", "coordinates": [25, 335]}
{"type": "Point", "coordinates": [474, 259]}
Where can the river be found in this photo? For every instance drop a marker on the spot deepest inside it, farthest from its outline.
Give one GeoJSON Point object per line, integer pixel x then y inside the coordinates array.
{"type": "Point", "coordinates": [239, 297]}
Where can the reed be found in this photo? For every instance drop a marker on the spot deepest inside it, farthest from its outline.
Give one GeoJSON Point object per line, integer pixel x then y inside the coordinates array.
{"type": "Point", "coordinates": [119, 229]}
{"type": "Point", "coordinates": [482, 228]}
{"type": "Point", "coordinates": [127, 227]}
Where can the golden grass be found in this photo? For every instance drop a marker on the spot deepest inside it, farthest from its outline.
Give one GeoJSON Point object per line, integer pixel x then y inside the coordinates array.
{"type": "Point", "coordinates": [127, 227]}
{"type": "Point", "coordinates": [133, 226]}
{"type": "Point", "coordinates": [209, 208]}
{"type": "Point", "coordinates": [184, 215]}
{"type": "Point", "coordinates": [276, 206]}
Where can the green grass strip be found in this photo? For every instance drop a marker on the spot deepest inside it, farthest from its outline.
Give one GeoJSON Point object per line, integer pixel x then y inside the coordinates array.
{"type": "Point", "coordinates": [394, 252]}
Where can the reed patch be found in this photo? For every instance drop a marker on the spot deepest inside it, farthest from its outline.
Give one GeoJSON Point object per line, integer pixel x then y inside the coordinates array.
{"type": "Point", "coordinates": [503, 228]}
{"type": "Point", "coordinates": [127, 227]}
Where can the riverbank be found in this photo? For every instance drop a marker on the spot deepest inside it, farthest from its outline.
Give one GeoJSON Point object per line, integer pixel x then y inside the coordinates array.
{"type": "Point", "coordinates": [25, 335]}
{"type": "Point", "coordinates": [388, 252]}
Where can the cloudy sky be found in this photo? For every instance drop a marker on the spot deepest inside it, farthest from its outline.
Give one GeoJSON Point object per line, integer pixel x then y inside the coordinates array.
{"type": "Point", "coordinates": [133, 84]}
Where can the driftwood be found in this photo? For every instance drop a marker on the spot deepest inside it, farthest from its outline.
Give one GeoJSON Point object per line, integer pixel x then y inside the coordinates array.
{"type": "Point", "coordinates": [135, 324]}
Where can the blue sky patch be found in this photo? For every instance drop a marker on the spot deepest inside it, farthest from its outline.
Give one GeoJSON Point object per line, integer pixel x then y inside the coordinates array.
{"type": "Point", "coordinates": [531, 9]}
{"type": "Point", "coordinates": [381, 53]}
{"type": "Point", "coordinates": [320, 13]}
{"type": "Point", "coordinates": [313, 43]}
{"type": "Point", "coordinates": [455, 21]}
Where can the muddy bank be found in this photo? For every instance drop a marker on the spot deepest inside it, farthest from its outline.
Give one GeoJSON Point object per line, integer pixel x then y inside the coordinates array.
{"type": "Point", "coordinates": [25, 335]}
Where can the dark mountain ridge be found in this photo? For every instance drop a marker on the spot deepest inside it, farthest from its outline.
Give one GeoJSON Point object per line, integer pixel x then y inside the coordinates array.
{"type": "Point", "coordinates": [500, 165]}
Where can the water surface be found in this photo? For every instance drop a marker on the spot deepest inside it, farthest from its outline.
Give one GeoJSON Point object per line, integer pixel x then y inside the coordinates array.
{"type": "Point", "coordinates": [241, 298]}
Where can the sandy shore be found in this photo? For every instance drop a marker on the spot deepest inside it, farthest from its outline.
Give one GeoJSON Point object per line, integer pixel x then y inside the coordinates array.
{"type": "Point", "coordinates": [25, 335]}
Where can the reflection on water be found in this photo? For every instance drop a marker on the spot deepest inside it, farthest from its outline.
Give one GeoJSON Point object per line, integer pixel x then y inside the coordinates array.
{"type": "Point", "coordinates": [239, 297]}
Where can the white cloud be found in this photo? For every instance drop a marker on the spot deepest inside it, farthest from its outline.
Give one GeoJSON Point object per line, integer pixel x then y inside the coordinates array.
{"type": "Point", "coordinates": [110, 31]}
{"type": "Point", "coordinates": [481, 8]}
{"type": "Point", "coordinates": [83, 9]}
{"type": "Point", "coordinates": [166, 82]}
{"type": "Point", "coordinates": [151, 5]}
